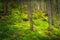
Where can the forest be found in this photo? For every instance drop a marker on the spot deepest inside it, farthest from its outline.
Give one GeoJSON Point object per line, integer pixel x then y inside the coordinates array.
{"type": "Point", "coordinates": [29, 19]}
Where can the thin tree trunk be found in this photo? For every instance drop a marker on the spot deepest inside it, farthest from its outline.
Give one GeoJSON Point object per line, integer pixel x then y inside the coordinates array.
{"type": "Point", "coordinates": [30, 15]}
{"type": "Point", "coordinates": [40, 4]}
{"type": "Point", "coordinates": [57, 12]}
{"type": "Point", "coordinates": [49, 14]}
{"type": "Point", "coordinates": [5, 7]}
{"type": "Point", "coordinates": [44, 6]}
{"type": "Point", "coordinates": [37, 5]}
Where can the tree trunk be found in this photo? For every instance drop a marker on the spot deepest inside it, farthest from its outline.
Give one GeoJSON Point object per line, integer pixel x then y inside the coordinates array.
{"type": "Point", "coordinates": [57, 12]}
{"type": "Point", "coordinates": [49, 14]}
{"type": "Point", "coordinates": [30, 15]}
{"type": "Point", "coordinates": [5, 7]}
